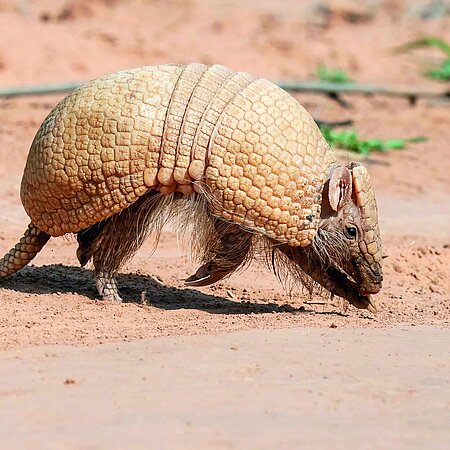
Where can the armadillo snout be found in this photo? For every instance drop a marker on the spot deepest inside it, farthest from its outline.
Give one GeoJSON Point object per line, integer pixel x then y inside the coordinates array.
{"type": "Point", "coordinates": [372, 285]}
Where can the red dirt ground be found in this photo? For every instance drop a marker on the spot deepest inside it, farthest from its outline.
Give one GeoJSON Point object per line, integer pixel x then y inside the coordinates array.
{"type": "Point", "coordinates": [53, 302]}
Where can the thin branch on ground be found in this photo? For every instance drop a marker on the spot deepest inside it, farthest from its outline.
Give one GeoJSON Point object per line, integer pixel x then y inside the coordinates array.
{"type": "Point", "coordinates": [332, 90]}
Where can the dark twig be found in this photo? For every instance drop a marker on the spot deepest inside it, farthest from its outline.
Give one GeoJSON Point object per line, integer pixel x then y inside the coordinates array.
{"type": "Point", "coordinates": [337, 89]}
{"type": "Point", "coordinates": [340, 123]}
{"type": "Point", "coordinates": [40, 89]}
{"type": "Point", "coordinates": [333, 90]}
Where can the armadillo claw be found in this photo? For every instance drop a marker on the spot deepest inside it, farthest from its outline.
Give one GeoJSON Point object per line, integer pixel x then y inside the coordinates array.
{"type": "Point", "coordinates": [364, 302]}
{"type": "Point", "coordinates": [206, 275]}
{"type": "Point", "coordinates": [200, 278]}
{"type": "Point", "coordinates": [372, 309]}
{"type": "Point", "coordinates": [372, 306]}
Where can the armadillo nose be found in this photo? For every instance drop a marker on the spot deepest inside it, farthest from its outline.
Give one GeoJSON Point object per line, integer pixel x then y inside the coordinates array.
{"type": "Point", "coordinates": [374, 289]}
{"type": "Point", "coordinates": [374, 285]}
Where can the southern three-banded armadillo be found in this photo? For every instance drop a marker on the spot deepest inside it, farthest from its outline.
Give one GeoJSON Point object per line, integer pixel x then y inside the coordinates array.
{"type": "Point", "coordinates": [234, 156]}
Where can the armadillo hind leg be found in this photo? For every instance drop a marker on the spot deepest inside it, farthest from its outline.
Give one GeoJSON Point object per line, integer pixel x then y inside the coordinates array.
{"type": "Point", "coordinates": [230, 248]}
{"type": "Point", "coordinates": [107, 286]}
{"type": "Point", "coordinates": [113, 241]}
{"type": "Point", "coordinates": [87, 242]}
{"type": "Point", "coordinates": [24, 251]}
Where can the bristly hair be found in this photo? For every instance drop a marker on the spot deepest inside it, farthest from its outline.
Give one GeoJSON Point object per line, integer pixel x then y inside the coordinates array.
{"type": "Point", "coordinates": [296, 267]}
{"type": "Point", "coordinates": [115, 240]}
{"type": "Point", "coordinates": [290, 266]}
{"type": "Point", "coordinates": [331, 247]}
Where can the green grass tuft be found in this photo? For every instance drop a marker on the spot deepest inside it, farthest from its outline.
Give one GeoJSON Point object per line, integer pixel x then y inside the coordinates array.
{"type": "Point", "coordinates": [332, 75]}
{"type": "Point", "coordinates": [441, 72]}
{"type": "Point", "coordinates": [349, 140]}
{"type": "Point", "coordinates": [430, 41]}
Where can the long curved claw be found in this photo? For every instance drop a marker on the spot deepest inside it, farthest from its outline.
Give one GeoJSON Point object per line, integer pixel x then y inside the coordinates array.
{"type": "Point", "coordinates": [372, 306]}
{"type": "Point", "coordinates": [206, 275]}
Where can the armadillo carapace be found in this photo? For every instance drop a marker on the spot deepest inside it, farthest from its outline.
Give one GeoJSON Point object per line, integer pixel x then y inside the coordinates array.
{"type": "Point", "coordinates": [233, 155]}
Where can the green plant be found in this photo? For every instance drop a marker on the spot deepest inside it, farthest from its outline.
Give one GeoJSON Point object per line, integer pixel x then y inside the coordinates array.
{"type": "Point", "coordinates": [442, 71]}
{"type": "Point", "coordinates": [425, 42]}
{"type": "Point", "coordinates": [349, 140]}
{"type": "Point", "coordinates": [333, 75]}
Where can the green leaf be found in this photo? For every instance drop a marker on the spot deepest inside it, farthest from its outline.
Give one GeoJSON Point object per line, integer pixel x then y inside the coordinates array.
{"type": "Point", "coordinates": [429, 41]}
{"type": "Point", "coordinates": [349, 140]}
{"type": "Point", "coordinates": [417, 139]}
{"type": "Point", "coordinates": [332, 75]}
{"type": "Point", "coordinates": [441, 72]}
{"type": "Point", "coordinates": [395, 143]}
{"type": "Point", "coordinates": [374, 144]}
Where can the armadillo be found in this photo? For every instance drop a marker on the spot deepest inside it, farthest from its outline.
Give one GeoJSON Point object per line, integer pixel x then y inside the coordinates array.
{"type": "Point", "coordinates": [230, 155]}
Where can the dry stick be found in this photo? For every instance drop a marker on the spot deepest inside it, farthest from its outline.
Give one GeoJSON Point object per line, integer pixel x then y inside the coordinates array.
{"type": "Point", "coordinates": [333, 90]}
{"type": "Point", "coordinates": [339, 123]}
{"type": "Point", "coordinates": [40, 89]}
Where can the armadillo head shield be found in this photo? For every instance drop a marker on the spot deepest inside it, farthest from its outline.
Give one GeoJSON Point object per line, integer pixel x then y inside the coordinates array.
{"type": "Point", "coordinates": [348, 239]}
{"type": "Point", "coordinates": [345, 255]}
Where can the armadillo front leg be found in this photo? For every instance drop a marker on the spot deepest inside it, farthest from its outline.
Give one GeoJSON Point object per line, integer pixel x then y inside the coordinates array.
{"type": "Point", "coordinates": [107, 286]}
{"type": "Point", "coordinates": [233, 245]}
{"type": "Point", "coordinates": [24, 251]}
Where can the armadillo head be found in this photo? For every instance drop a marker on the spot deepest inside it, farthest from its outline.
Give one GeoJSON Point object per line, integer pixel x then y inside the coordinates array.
{"type": "Point", "coordinates": [348, 238]}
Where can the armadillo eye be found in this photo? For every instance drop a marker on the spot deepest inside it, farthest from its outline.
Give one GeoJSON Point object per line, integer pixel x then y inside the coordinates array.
{"type": "Point", "coordinates": [350, 232]}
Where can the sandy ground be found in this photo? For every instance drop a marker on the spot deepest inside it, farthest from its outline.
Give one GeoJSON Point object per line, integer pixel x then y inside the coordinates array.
{"type": "Point", "coordinates": [300, 388]}
{"type": "Point", "coordinates": [50, 308]}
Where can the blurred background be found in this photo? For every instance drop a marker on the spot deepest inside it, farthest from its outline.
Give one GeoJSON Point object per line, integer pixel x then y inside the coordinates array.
{"type": "Point", "coordinates": [45, 40]}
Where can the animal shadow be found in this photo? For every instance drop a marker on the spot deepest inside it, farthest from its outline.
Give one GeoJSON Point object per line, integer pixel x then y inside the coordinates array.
{"type": "Point", "coordinates": [139, 289]}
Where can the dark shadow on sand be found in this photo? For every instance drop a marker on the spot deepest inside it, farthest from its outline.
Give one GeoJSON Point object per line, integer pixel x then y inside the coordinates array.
{"type": "Point", "coordinates": [58, 278]}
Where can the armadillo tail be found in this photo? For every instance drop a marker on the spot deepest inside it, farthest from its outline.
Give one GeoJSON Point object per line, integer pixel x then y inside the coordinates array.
{"type": "Point", "coordinates": [24, 251]}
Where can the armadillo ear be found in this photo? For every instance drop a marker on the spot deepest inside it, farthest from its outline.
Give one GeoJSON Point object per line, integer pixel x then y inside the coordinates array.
{"type": "Point", "coordinates": [340, 187]}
